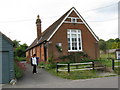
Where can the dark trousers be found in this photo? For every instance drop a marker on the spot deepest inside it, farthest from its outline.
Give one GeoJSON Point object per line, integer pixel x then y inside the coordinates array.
{"type": "Point", "coordinates": [34, 68]}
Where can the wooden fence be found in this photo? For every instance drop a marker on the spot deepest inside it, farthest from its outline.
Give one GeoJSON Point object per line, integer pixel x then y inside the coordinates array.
{"type": "Point", "coordinates": [92, 66]}
{"type": "Point", "coordinates": [113, 63]}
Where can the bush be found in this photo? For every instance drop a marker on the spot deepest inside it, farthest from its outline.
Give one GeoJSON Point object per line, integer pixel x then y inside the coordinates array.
{"type": "Point", "coordinates": [18, 71]}
{"type": "Point", "coordinates": [75, 57]}
{"type": "Point", "coordinates": [51, 60]}
{"type": "Point", "coordinates": [41, 64]}
{"type": "Point", "coordinates": [20, 58]}
{"type": "Point", "coordinates": [50, 66]}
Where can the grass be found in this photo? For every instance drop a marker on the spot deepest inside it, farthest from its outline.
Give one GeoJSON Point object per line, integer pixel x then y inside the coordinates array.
{"type": "Point", "coordinates": [117, 70]}
{"type": "Point", "coordinates": [86, 74]}
{"type": "Point", "coordinates": [74, 75]}
{"type": "Point", "coordinates": [108, 62]}
{"type": "Point", "coordinates": [105, 56]}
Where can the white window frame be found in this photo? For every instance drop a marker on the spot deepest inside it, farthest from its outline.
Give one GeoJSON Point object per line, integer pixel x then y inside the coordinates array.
{"type": "Point", "coordinates": [74, 21]}
{"type": "Point", "coordinates": [70, 33]}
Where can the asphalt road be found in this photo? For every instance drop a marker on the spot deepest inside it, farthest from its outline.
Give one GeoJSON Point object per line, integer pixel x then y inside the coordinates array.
{"type": "Point", "coordinates": [45, 80]}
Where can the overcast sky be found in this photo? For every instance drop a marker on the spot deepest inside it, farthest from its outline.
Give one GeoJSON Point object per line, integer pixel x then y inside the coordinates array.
{"type": "Point", "coordinates": [17, 17]}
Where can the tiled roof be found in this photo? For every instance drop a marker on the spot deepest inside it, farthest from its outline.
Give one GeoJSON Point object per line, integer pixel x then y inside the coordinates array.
{"type": "Point", "coordinates": [47, 33]}
{"type": "Point", "coordinates": [50, 30]}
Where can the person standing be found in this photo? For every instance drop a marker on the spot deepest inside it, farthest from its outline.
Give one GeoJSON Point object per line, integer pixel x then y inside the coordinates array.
{"type": "Point", "coordinates": [34, 63]}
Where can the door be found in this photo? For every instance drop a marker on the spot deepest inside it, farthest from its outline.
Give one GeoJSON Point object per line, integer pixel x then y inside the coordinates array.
{"type": "Point", "coordinates": [5, 67]}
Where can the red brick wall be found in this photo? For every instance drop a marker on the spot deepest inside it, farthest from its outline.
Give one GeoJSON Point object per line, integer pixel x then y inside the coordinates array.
{"type": "Point", "coordinates": [88, 41]}
{"type": "Point", "coordinates": [39, 51]}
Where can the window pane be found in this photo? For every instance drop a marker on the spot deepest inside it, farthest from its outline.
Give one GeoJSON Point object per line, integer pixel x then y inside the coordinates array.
{"type": "Point", "coordinates": [73, 31]}
{"type": "Point", "coordinates": [74, 36]}
{"type": "Point", "coordinates": [68, 35]}
{"type": "Point", "coordinates": [74, 42]}
{"type": "Point", "coordinates": [74, 20]}
{"type": "Point", "coordinates": [68, 46]}
{"type": "Point", "coordinates": [79, 31]}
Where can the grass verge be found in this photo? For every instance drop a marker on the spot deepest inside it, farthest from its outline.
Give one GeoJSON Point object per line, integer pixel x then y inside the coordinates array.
{"type": "Point", "coordinates": [74, 75]}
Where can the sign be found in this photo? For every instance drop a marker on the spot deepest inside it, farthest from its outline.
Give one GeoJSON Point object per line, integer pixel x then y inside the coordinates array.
{"type": "Point", "coordinates": [118, 54]}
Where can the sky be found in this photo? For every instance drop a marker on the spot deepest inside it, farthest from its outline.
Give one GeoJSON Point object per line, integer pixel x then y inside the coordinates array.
{"type": "Point", "coordinates": [17, 17]}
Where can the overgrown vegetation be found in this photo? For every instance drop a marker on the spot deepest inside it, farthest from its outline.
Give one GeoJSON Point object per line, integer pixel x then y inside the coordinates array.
{"type": "Point", "coordinates": [74, 75]}
{"type": "Point", "coordinates": [18, 71]}
{"type": "Point", "coordinates": [19, 50]}
{"type": "Point", "coordinates": [50, 64]}
{"type": "Point", "coordinates": [19, 55]}
{"type": "Point", "coordinates": [74, 57]}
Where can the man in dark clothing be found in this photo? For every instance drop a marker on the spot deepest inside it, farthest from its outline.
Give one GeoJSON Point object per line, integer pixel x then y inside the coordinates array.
{"type": "Point", "coordinates": [34, 63]}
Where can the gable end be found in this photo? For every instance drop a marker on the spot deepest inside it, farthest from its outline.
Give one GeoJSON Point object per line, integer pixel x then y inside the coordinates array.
{"type": "Point", "coordinates": [82, 21]}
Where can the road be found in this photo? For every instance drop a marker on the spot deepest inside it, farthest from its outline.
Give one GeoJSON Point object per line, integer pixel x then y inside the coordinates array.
{"type": "Point", "coordinates": [45, 80]}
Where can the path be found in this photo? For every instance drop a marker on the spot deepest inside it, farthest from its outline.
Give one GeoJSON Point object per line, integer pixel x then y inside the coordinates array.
{"type": "Point", "coordinates": [45, 80]}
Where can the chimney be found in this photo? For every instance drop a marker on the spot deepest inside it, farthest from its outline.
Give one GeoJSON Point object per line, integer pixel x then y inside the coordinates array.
{"type": "Point", "coordinates": [38, 25]}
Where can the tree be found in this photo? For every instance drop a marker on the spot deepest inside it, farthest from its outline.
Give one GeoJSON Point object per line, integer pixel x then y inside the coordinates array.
{"type": "Point", "coordinates": [117, 40]}
{"type": "Point", "coordinates": [102, 45]}
{"type": "Point", "coordinates": [16, 43]}
{"type": "Point", "coordinates": [109, 44]}
{"type": "Point", "coordinates": [19, 49]}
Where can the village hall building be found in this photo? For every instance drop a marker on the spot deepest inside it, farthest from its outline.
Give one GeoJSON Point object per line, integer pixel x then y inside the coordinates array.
{"type": "Point", "coordinates": [69, 34]}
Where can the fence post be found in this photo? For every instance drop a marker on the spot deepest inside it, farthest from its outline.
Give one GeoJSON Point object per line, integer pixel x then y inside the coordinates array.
{"type": "Point", "coordinates": [93, 65]}
{"type": "Point", "coordinates": [68, 67]}
{"type": "Point", "coordinates": [113, 64]}
{"type": "Point", "coordinates": [57, 67]}
{"type": "Point", "coordinates": [76, 66]}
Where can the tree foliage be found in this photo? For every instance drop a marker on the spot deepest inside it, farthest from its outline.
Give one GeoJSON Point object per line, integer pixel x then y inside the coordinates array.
{"type": "Point", "coordinates": [19, 49]}
{"type": "Point", "coordinates": [109, 44]}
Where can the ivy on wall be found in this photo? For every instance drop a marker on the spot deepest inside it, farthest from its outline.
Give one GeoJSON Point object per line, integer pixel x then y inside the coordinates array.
{"type": "Point", "coordinates": [59, 48]}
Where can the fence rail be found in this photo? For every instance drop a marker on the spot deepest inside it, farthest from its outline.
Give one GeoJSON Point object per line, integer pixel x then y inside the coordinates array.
{"type": "Point", "coordinates": [91, 67]}
{"type": "Point", "coordinates": [68, 69]}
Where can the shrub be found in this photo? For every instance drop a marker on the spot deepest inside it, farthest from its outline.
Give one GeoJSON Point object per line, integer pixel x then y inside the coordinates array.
{"type": "Point", "coordinates": [50, 66]}
{"type": "Point", "coordinates": [51, 60]}
{"type": "Point", "coordinates": [75, 57]}
{"type": "Point", "coordinates": [20, 58]}
{"type": "Point", "coordinates": [18, 71]}
{"type": "Point", "coordinates": [41, 64]}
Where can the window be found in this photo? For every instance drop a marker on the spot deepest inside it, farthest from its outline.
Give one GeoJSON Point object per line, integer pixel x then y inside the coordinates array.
{"type": "Point", "coordinates": [74, 40]}
{"type": "Point", "coordinates": [74, 20]}
{"type": "Point", "coordinates": [59, 44]}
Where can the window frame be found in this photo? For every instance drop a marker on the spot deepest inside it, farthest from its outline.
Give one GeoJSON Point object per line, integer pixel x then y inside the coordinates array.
{"type": "Point", "coordinates": [74, 19]}
{"type": "Point", "coordinates": [70, 35]}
